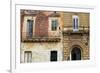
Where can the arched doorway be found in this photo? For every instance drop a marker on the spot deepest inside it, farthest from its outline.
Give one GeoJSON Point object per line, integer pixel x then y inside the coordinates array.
{"type": "Point", "coordinates": [76, 54]}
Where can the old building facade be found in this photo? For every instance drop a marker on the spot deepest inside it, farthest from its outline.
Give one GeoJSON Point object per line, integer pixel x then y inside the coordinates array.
{"type": "Point", "coordinates": [54, 36]}
{"type": "Point", "coordinates": [41, 36]}
{"type": "Point", "coordinates": [75, 36]}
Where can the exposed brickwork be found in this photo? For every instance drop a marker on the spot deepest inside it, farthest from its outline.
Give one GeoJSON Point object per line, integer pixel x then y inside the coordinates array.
{"type": "Point", "coordinates": [69, 40]}
{"type": "Point", "coordinates": [41, 25]}
{"type": "Point", "coordinates": [22, 19]}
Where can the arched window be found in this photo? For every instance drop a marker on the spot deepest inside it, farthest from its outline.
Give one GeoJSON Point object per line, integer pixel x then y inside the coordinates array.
{"type": "Point", "coordinates": [76, 54]}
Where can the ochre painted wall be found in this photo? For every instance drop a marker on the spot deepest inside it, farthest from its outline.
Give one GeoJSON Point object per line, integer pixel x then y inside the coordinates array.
{"type": "Point", "coordinates": [67, 18]}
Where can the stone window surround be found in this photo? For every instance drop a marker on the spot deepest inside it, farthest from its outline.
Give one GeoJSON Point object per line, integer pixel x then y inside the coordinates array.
{"type": "Point", "coordinates": [50, 20]}
{"type": "Point", "coordinates": [29, 18]}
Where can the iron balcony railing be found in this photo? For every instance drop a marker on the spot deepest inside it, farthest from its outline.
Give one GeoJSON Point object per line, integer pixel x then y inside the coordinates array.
{"type": "Point", "coordinates": [41, 36]}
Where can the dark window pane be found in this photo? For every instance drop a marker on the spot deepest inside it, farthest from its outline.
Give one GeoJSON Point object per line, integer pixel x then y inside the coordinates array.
{"type": "Point", "coordinates": [75, 23]}
{"type": "Point", "coordinates": [30, 28]}
{"type": "Point", "coordinates": [54, 25]}
{"type": "Point", "coordinates": [53, 56]}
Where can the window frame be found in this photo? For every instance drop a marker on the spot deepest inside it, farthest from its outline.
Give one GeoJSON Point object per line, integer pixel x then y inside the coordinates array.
{"type": "Point", "coordinates": [28, 53]}
{"type": "Point", "coordinates": [54, 24]}
{"type": "Point", "coordinates": [26, 26]}
{"type": "Point", "coordinates": [75, 21]}
{"type": "Point", "coordinates": [50, 23]}
{"type": "Point", "coordinates": [53, 53]}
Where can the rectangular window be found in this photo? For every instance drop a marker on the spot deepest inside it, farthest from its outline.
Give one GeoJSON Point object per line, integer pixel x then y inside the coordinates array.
{"type": "Point", "coordinates": [54, 25]}
{"type": "Point", "coordinates": [30, 28]}
{"type": "Point", "coordinates": [75, 23]}
{"type": "Point", "coordinates": [27, 56]}
{"type": "Point", "coordinates": [53, 56]}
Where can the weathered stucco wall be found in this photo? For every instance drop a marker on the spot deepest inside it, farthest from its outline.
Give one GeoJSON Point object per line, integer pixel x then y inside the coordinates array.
{"type": "Point", "coordinates": [41, 51]}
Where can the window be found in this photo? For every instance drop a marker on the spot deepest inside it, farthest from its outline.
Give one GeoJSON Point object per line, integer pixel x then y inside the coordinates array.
{"type": "Point", "coordinates": [54, 25]}
{"type": "Point", "coordinates": [75, 23]}
{"type": "Point", "coordinates": [53, 56]}
{"type": "Point", "coordinates": [27, 56]}
{"type": "Point", "coordinates": [30, 28]}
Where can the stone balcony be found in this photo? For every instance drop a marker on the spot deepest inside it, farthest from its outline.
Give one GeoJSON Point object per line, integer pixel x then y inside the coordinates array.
{"type": "Point", "coordinates": [53, 36]}
{"type": "Point", "coordinates": [80, 30]}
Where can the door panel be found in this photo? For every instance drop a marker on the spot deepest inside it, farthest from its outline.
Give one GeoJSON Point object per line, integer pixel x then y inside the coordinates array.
{"type": "Point", "coordinates": [76, 54]}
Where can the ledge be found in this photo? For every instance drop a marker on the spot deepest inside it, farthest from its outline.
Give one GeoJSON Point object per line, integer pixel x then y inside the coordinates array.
{"type": "Point", "coordinates": [42, 39]}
